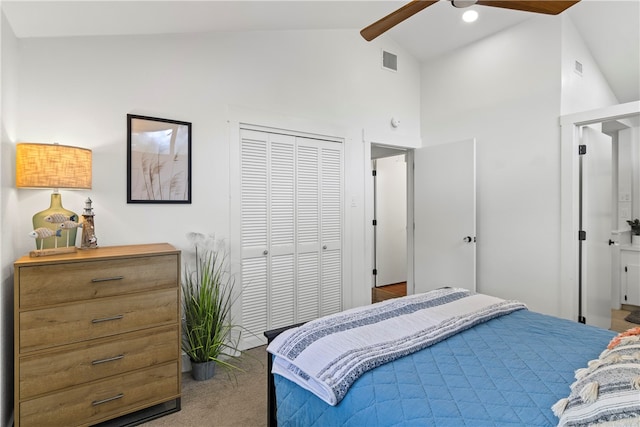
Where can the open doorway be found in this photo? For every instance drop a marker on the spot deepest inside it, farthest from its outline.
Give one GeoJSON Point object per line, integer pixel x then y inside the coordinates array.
{"type": "Point", "coordinates": [625, 257]}
{"type": "Point", "coordinates": [596, 294]}
{"type": "Point", "coordinates": [439, 221]}
{"type": "Point", "coordinates": [389, 175]}
{"type": "Point", "coordinates": [606, 193]}
{"type": "Point", "coordinates": [596, 186]}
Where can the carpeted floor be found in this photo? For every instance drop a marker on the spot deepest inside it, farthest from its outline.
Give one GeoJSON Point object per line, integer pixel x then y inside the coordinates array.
{"type": "Point", "coordinates": [224, 401]}
{"type": "Point", "coordinates": [240, 401]}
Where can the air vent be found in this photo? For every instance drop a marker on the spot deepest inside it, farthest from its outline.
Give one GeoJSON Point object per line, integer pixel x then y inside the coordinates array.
{"type": "Point", "coordinates": [389, 61]}
{"type": "Point", "coordinates": [578, 67]}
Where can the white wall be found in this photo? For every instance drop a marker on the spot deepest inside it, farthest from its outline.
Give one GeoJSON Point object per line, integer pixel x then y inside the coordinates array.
{"type": "Point", "coordinates": [508, 92]}
{"type": "Point", "coordinates": [9, 216]}
{"type": "Point", "coordinates": [581, 91]}
{"type": "Point", "coordinates": [629, 176]}
{"type": "Point", "coordinates": [90, 84]}
{"type": "Point", "coordinates": [507, 95]}
{"type": "Point", "coordinates": [77, 91]}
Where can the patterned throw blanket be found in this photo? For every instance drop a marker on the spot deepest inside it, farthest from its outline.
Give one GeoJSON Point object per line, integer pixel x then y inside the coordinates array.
{"type": "Point", "coordinates": [327, 355]}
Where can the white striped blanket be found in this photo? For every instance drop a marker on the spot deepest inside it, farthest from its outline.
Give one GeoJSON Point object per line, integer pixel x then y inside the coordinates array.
{"type": "Point", "coordinates": [327, 355]}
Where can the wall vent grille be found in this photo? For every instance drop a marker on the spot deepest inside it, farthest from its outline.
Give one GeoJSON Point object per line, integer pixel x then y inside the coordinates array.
{"type": "Point", "coordinates": [389, 61]}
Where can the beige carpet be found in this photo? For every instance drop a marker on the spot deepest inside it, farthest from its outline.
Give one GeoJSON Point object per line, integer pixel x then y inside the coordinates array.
{"type": "Point", "coordinates": [224, 401]}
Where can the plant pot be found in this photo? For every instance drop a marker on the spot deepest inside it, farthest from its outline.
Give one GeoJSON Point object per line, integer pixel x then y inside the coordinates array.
{"type": "Point", "coordinates": [635, 240]}
{"type": "Point", "coordinates": [203, 371]}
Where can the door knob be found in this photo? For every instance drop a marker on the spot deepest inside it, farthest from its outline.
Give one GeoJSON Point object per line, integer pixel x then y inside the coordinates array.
{"type": "Point", "coordinates": [265, 252]}
{"type": "Point", "coordinates": [611, 242]}
{"type": "Point", "coordinates": [324, 247]}
{"type": "Point", "coordinates": [468, 239]}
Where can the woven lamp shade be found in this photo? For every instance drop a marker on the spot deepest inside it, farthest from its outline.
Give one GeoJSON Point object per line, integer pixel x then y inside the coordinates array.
{"type": "Point", "coordinates": [52, 166]}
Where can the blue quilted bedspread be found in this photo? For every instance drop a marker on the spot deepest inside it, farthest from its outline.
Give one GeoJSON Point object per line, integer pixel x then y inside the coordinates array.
{"type": "Point", "coordinates": [508, 371]}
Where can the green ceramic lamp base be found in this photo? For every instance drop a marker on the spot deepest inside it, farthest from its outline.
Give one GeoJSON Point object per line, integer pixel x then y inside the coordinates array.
{"type": "Point", "coordinates": [67, 237]}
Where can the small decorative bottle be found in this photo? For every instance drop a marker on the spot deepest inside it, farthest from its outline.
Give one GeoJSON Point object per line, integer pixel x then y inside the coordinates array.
{"type": "Point", "coordinates": [89, 240]}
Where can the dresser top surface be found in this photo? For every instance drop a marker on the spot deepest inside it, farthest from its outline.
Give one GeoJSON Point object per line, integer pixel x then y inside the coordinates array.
{"type": "Point", "coordinates": [106, 252]}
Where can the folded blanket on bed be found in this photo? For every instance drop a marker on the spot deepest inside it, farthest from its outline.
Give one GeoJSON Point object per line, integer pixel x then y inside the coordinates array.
{"type": "Point", "coordinates": [327, 355]}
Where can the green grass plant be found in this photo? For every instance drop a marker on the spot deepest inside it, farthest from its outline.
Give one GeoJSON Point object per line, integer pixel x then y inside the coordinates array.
{"type": "Point", "coordinates": [207, 299]}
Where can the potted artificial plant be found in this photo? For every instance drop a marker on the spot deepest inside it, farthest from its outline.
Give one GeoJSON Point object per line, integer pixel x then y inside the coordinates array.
{"type": "Point", "coordinates": [635, 231]}
{"type": "Point", "coordinates": [207, 297]}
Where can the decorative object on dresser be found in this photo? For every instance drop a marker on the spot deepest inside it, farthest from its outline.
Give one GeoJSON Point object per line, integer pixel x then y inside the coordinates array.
{"type": "Point", "coordinates": [53, 166]}
{"type": "Point", "coordinates": [158, 160]}
{"type": "Point", "coordinates": [89, 239]}
{"type": "Point", "coordinates": [207, 298]}
{"type": "Point", "coordinates": [97, 335]}
{"type": "Point", "coordinates": [635, 231]}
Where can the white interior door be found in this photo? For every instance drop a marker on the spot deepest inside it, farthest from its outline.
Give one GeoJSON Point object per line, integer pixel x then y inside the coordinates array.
{"type": "Point", "coordinates": [445, 216]}
{"type": "Point", "coordinates": [597, 222]}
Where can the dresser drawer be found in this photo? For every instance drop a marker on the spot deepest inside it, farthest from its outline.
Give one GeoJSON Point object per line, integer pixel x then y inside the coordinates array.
{"type": "Point", "coordinates": [95, 402]}
{"type": "Point", "coordinates": [42, 285]}
{"type": "Point", "coordinates": [55, 326]}
{"type": "Point", "coordinates": [85, 362]}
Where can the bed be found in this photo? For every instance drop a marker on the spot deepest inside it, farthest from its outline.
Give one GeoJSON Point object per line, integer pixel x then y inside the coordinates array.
{"type": "Point", "coordinates": [470, 366]}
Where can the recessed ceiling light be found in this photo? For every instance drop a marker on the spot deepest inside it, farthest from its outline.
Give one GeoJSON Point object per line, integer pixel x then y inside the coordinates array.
{"type": "Point", "coordinates": [470, 15]}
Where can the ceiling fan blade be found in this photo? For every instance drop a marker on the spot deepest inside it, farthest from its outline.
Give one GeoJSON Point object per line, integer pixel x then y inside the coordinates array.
{"type": "Point", "coordinates": [408, 10]}
{"type": "Point", "coordinates": [549, 7]}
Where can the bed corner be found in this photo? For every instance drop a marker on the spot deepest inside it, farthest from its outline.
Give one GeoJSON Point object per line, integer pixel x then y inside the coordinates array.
{"type": "Point", "coordinates": [272, 420]}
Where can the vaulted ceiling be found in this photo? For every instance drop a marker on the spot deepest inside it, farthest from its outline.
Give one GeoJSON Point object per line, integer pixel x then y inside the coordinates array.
{"type": "Point", "coordinates": [610, 28]}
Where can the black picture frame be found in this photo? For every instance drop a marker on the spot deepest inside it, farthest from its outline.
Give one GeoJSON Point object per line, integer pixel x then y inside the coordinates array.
{"type": "Point", "coordinates": [158, 160]}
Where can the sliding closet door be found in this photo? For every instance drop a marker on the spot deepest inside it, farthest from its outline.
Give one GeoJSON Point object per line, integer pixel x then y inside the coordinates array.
{"type": "Point", "coordinates": [291, 221]}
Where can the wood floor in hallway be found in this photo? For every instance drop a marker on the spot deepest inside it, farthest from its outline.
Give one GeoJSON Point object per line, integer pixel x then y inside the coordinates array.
{"type": "Point", "coordinates": [382, 293]}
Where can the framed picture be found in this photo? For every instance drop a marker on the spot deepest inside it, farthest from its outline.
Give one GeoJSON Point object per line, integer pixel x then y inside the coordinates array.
{"type": "Point", "coordinates": [158, 160]}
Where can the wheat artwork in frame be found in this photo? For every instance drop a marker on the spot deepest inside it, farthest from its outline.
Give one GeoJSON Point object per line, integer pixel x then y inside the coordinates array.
{"type": "Point", "coordinates": [158, 160]}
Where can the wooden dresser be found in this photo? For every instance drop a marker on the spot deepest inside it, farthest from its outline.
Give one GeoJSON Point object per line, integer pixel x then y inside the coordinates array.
{"type": "Point", "coordinates": [97, 334]}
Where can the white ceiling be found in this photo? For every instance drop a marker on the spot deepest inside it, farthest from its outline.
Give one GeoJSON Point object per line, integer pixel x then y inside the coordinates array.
{"type": "Point", "coordinates": [611, 28]}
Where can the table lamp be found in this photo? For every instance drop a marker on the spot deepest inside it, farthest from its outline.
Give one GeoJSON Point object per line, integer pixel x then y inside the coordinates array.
{"type": "Point", "coordinates": [53, 166]}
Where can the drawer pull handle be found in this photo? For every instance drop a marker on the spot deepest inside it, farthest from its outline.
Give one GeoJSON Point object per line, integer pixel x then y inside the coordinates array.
{"type": "Point", "coordinates": [106, 319]}
{"type": "Point", "coordinates": [108, 359]}
{"type": "Point", "coordinates": [107, 279]}
{"type": "Point", "coordinates": [108, 399]}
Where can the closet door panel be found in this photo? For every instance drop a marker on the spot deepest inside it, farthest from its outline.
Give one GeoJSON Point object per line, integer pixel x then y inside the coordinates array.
{"type": "Point", "coordinates": [254, 294]}
{"type": "Point", "coordinates": [331, 290]}
{"type": "Point", "coordinates": [308, 230]}
{"type": "Point", "coordinates": [281, 230]}
{"type": "Point", "coordinates": [254, 193]}
{"type": "Point", "coordinates": [308, 289]}
{"type": "Point", "coordinates": [331, 226]}
{"type": "Point", "coordinates": [308, 198]}
{"type": "Point", "coordinates": [331, 195]}
{"type": "Point", "coordinates": [281, 295]}
{"type": "Point", "coordinates": [254, 215]}
{"type": "Point", "coordinates": [282, 194]}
